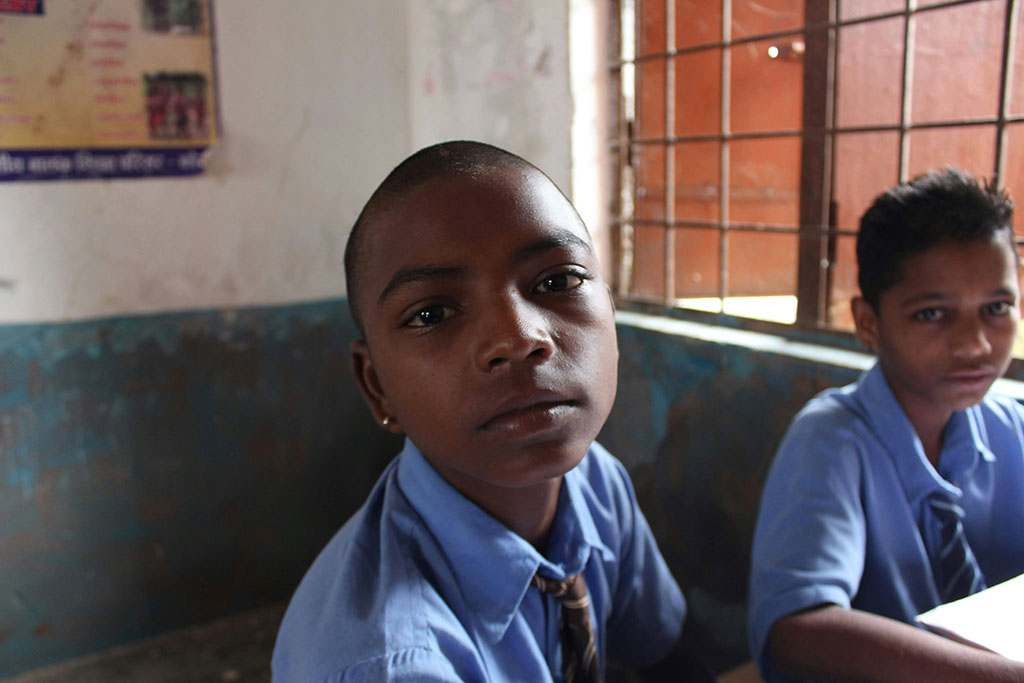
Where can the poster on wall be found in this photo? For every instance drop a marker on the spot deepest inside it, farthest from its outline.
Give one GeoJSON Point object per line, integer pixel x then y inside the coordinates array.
{"type": "Point", "coordinates": [105, 88]}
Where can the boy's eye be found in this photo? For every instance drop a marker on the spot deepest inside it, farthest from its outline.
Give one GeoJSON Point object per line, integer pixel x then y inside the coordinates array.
{"type": "Point", "coordinates": [929, 315]}
{"type": "Point", "coordinates": [998, 308]}
{"type": "Point", "coordinates": [430, 315]}
{"type": "Point", "coordinates": [560, 282]}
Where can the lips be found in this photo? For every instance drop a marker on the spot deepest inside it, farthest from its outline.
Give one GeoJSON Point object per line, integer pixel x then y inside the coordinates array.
{"type": "Point", "coordinates": [973, 378]}
{"type": "Point", "coordinates": [534, 411]}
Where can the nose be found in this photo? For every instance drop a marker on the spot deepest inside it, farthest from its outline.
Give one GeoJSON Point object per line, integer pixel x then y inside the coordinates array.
{"type": "Point", "coordinates": [512, 331]}
{"type": "Point", "coordinates": [971, 340]}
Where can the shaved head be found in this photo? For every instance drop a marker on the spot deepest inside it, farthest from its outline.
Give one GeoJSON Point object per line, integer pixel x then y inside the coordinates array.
{"type": "Point", "coordinates": [447, 159]}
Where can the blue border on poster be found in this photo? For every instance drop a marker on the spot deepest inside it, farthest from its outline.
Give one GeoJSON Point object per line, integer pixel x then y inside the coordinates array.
{"type": "Point", "coordinates": [100, 162]}
{"type": "Point", "coordinates": [21, 6]}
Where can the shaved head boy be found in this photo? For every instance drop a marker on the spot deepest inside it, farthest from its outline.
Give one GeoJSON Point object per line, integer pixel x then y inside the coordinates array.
{"type": "Point", "coordinates": [503, 543]}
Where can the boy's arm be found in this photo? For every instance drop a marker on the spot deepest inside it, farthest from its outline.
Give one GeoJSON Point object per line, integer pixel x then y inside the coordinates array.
{"type": "Point", "coordinates": [836, 643]}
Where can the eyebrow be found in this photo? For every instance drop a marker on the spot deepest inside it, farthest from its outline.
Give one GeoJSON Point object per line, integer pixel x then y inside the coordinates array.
{"type": "Point", "coordinates": [560, 239]}
{"type": "Point", "coordinates": [407, 276]}
{"type": "Point", "coordinates": [938, 297]}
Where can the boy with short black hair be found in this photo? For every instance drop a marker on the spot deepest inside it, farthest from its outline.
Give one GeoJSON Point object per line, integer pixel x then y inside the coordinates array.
{"type": "Point", "coordinates": [503, 543]}
{"type": "Point", "coordinates": [905, 490]}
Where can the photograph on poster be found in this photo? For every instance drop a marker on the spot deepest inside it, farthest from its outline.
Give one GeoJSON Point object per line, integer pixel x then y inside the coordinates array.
{"type": "Point", "coordinates": [176, 105]}
{"type": "Point", "coordinates": [172, 16]}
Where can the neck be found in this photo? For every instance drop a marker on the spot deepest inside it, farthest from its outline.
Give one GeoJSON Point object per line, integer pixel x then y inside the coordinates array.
{"type": "Point", "coordinates": [530, 512]}
{"type": "Point", "coordinates": [928, 419]}
{"type": "Point", "coordinates": [527, 510]}
{"type": "Point", "coordinates": [932, 443]}
{"type": "Point", "coordinates": [929, 426]}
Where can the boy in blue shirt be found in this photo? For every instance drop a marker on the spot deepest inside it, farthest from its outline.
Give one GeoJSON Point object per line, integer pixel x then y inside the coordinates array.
{"type": "Point", "coordinates": [905, 490]}
{"type": "Point", "coordinates": [488, 339]}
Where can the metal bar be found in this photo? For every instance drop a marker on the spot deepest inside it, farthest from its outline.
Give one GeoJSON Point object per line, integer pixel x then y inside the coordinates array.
{"type": "Point", "coordinates": [830, 130]}
{"type": "Point", "coordinates": [707, 47]}
{"type": "Point", "coordinates": [815, 162]}
{"type": "Point", "coordinates": [905, 88]}
{"type": "Point", "coordinates": [1009, 39]}
{"type": "Point", "coordinates": [620, 149]}
{"type": "Point", "coordinates": [832, 239]}
{"type": "Point", "coordinates": [670, 166]}
{"type": "Point", "coordinates": [948, 123]}
{"type": "Point", "coordinates": [806, 233]}
{"type": "Point", "coordinates": [724, 152]}
{"type": "Point", "coordinates": [717, 137]}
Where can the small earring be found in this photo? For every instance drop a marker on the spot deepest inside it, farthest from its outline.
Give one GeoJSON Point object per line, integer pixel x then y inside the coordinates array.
{"type": "Point", "coordinates": [386, 421]}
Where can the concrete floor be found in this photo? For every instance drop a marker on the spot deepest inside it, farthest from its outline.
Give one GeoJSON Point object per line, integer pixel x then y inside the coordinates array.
{"type": "Point", "coordinates": [235, 649]}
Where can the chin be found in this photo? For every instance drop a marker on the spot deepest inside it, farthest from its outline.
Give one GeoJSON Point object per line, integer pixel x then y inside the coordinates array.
{"type": "Point", "coordinates": [964, 402]}
{"type": "Point", "coordinates": [544, 463]}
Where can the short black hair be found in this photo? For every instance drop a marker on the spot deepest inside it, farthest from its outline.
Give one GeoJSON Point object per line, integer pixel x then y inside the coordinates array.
{"type": "Point", "coordinates": [454, 158]}
{"type": "Point", "coordinates": [936, 208]}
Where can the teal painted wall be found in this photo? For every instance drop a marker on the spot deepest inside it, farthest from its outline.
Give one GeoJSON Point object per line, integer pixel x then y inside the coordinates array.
{"type": "Point", "coordinates": [164, 470]}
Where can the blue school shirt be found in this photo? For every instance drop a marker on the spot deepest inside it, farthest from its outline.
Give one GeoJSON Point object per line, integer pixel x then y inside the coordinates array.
{"type": "Point", "coordinates": [846, 499]}
{"type": "Point", "coordinates": [422, 585]}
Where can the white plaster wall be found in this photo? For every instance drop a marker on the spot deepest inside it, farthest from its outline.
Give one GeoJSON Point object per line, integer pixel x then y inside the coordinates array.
{"type": "Point", "coordinates": [495, 71]}
{"type": "Point", "coordinates": [592, 170]}
{"type": "Point", "coordinates": [316, 106]}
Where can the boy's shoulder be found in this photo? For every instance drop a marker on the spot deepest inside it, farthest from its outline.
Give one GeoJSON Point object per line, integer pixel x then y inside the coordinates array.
{"type": "Point", "coordinates": [843, 432]}
{"type": "Point", "coordinates": [865, 409]}
{"type": "Point", "coordinates": [1003, 408]}
{"type": "Point", "coordinates": [842, 410]}
{"type": "Point", "coordinates": [999, 424]}
{"type": "Point", "coordinates": [605, 488]}
{"type": "Point", "coordinates": [361, 609]}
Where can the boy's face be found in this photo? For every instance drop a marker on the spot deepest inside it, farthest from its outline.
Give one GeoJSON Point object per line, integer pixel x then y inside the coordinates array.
{"type": "Point", "coordinates": [490, 334]}
{"type": "Point", "coordinates": [945, 331]}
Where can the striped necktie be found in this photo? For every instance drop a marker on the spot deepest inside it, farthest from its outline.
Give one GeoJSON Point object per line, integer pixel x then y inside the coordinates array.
{"type": "Point", "coordinates": [579, 652]}
{"type": "Point", "coordinates": [958, 573]}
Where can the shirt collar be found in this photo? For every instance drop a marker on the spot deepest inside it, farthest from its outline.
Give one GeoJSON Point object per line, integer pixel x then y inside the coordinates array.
{"type": "Point", "coordinates": [479, 547]}
{"type": "Point", "coordinates": [962, 445]}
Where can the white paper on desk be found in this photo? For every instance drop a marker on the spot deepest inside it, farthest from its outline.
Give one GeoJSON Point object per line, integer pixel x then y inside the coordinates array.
{"type": "Point", "coordinates": [992, 619]}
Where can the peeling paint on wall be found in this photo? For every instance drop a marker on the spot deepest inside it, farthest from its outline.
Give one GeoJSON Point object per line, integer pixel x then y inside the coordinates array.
{"type": "Point", "coordinates": [696, 424]}
{"type": "Point", "coordinates": [160, 471]}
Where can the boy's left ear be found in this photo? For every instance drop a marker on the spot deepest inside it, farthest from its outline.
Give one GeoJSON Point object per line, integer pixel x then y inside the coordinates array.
{"type": "Point", "coordinates": [369, 386]}
{"type": "Point", "coordinates": [866, 320]}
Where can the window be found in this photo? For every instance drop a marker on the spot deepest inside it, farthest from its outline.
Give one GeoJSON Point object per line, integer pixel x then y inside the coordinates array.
{"type": "Point", "coordinates": [752, 134]}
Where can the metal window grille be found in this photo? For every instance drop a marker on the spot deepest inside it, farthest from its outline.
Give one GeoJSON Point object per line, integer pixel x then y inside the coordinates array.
{"type": "Point", "coordinates": [820, 33]}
